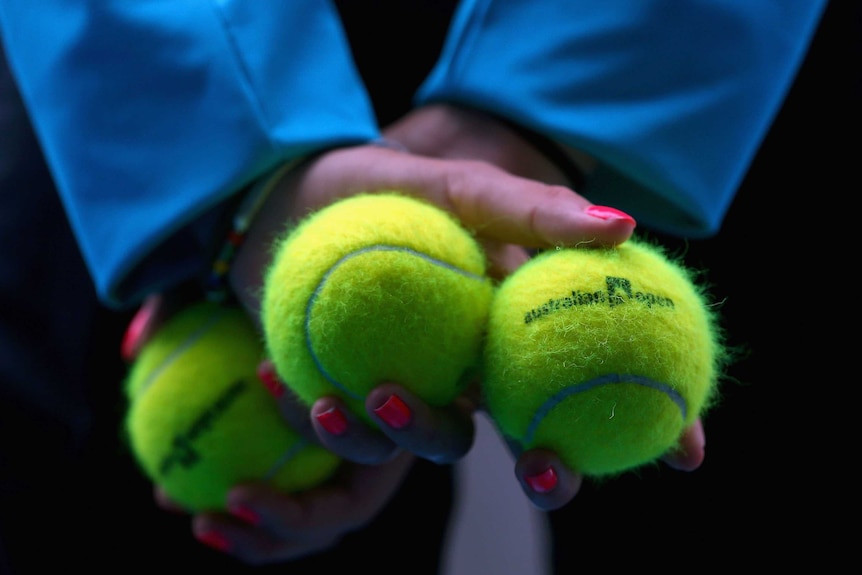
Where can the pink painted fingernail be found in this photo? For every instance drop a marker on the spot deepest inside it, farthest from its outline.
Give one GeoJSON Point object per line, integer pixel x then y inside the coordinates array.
{"type": "Point", "coordinates": [395, 413]}
{"type": "Point", "coordinates": [266, 374]}
{"type": "Point", "coordinates": [607, 213]}
{"type": "Point", "coordinates": [244, 513]}
{"type": "Point", "coordinates": [215, 540]}
{"type": "Point", "coordinates": [542, 482]}
{"type": "Point", "coordinates": [133, 337]}
{"type": "Point", "coordinates": [332, 420]}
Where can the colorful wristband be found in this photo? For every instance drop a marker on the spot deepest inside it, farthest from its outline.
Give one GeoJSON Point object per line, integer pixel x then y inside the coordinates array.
{"type": "Point", "coordinates": [216, 286]}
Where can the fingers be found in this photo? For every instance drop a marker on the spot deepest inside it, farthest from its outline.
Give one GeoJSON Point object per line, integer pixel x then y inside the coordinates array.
{"type": "Point", "coordinates": [499, 206]}
{"type": "Point", "coordinates": [164, 501]}
{"type": "Point", "coordinates": [546, 481]}
{"type": "Point", "coordinates": [155, 310]}
{"type": "Point", "coordinates": [292, 410]}
{"type": "Point", "coordinates": [439, 434]}
{"type": "Point", "coordinates": [503, 259]}
{"type": "Point", "coordinates": [347, 435]}
{"type": "Point", "coordinates": [447, 131]}
{"type": "Point", "coordinates": [140, 329]}
{"type": "Point", "coordinates": [263, 527]}
{"type": "Point", "coordinates": [267, 526]}
{"type": "Point", "coordinates": [495, 203]}
{"type": "Point", "coordinates": [400, 421]}
{"type": "Point", "coordinates": [549, 484]}
{"type": "Point", "coordinates": [690, 453]}
{"type": "Point", "coordinates": [522, 200]}
{"type": "Point", "coordinates": [510, 209]}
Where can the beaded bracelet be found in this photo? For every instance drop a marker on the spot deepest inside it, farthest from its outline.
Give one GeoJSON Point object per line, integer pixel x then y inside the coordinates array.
{"type": "Point", "coordinates": [215, 285]}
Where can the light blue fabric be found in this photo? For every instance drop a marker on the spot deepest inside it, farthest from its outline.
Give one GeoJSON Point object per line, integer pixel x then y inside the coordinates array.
{"type": "Point", "coordinates": [153, 113]}
{"type": "Point", "coordinates": [673, 98]}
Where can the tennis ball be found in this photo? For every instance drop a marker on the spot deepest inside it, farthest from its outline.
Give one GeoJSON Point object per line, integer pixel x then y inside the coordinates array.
{"type": "Point", "coordinates": [376, 287]}
{"type": "Point", "coordinates": [198, 421]}
{"type": "Point", "coordinates": [602, 355]}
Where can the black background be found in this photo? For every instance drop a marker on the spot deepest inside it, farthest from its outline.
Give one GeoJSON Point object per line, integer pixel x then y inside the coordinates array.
{"type": "Point", "coordinates": [769, 487]}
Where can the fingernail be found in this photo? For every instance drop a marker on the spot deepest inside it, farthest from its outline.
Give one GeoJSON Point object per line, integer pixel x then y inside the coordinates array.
{"type": "Point", "coordinates": [266, 374]}
{"type": "Point", "coordinates": [215, 540]}
{"type": "Point", "coordinates": [542, 482]}
{"type": "Point", "coordinates": [607, 213]}
{"type": "Point", "coordinates": [395, 413]}
{"type": "Point", "coordinates": [699, 437]}
{"type": "Point", "coordinates": [132, 337]}
{"type": "Point", "coordinates": [332, 420]}
{"type": "Point", "coordinates": [245, 514]}
{"type": "Point", "coordinates": [164, 501]}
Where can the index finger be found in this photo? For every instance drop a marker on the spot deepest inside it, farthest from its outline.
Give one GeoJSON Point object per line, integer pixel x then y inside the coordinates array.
{"type": "Point", "coordinates": [487, 199]}
{"type": "Point", "coordinates": [508, 208]}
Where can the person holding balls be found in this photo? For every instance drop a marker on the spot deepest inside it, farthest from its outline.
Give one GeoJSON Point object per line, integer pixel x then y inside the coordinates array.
{"type": "Point", "coordinates": [185, 138]}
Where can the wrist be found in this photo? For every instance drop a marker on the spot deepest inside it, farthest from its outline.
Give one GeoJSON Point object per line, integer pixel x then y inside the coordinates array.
{"type": "Point", "coordinates": [221, 284]}
{"type": "Point", "coordinates": [456, 132]}
{"type": "Point", "coordinates": [272, 210]}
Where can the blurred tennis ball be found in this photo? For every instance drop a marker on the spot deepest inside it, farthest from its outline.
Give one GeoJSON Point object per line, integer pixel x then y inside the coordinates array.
{"type": "Point", "coordinates": [199, 421]}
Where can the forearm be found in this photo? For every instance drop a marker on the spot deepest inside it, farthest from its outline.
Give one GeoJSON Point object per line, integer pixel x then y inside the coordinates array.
{"type": "Point", "coordinates": [152, 117]}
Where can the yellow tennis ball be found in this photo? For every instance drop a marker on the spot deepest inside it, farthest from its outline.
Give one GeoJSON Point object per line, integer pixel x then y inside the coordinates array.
{"type": "Point", "coordinates": [603, 355]}
{"type": "Point", "coordinates": [198, 421]}
{"type": "Point", "coordinates": [374, 288]}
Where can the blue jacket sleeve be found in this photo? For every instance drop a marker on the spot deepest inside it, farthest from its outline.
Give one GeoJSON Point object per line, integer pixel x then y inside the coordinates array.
{"type": "Point", "coordinates": [153, 114]}
{"type": "Point", "coordinates": [672, 99]}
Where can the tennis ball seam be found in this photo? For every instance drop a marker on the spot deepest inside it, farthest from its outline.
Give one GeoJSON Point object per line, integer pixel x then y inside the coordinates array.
{"type": "Point", "coordinates": [190, 341]}
{"type": "Point", "coordinates": [286, 458]}
{"type": "Point", "coordinates": [609, 379]}
{"type": "Point", "coordinates": [593, 320]}
{"type": "Point", "coordinates": [343, 259]}
{"type": "Point", "coordinates": [336, 323]}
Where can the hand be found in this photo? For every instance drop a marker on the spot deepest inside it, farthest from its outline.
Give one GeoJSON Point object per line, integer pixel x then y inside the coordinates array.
{"type": "Point", "coordinates": [550, 484]}
{"type": "Point", "coordinates": [266, 525]}
{"type": "Point", "coordinates": [445, 131]}
{"type": "Point", "coordinates": [510, 213]}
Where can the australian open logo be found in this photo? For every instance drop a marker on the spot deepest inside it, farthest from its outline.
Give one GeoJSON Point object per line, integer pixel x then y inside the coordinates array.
{"type": "Point", "coordinates": [618, 291]}
{"type": "Point", "coordinates": [182, 450]}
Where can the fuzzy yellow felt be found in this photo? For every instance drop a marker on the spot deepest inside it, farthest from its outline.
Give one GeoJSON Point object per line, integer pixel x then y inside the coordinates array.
{"type": "Point", "coordinates": [602, 355]}
{"type": "Point", "coordinates": [199, 421]}
{"type": "Point", "coordinates": [375, 288]}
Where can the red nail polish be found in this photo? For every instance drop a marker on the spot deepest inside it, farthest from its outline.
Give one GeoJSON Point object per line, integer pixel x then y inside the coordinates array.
{"type": "Point", "coordinates": [266, 374]}
{"type": "Point", "coordinates": [542, 482]}
{"type": "Point", "coordinates": [607, 213]}
{"type": "Point", "coordinates": [333, 421]}
{"type": "Point", "coordinates": [215, 540]}
{"type": "Point", "coordinates": [244, 513]}
{"type": "Point", "coordinates": [134, 332]}
{"type": "Point", "coordinates": [395, 413]}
